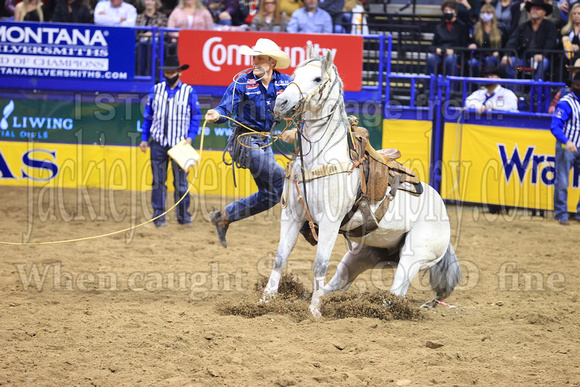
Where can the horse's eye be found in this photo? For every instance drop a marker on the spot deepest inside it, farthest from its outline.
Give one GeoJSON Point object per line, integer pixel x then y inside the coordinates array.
{"type": "Point", "coordinates": [317, 80]}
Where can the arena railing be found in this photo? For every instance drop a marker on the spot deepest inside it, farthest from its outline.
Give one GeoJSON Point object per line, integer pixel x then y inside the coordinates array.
{"type": "Point", "coordinates": [539, 94]}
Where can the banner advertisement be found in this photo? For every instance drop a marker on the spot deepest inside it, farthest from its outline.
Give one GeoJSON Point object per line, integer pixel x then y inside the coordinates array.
{"type": "Point", "coordinates": [84, 53]}
{"type": "Point", "coordinates": [503, 166]}
{"type": "Point", "coordinates": [214, 56]}
{"type": "Point", "coordinates": [111, 168]}
{"type": "Point", "coordinates": [413, 139]}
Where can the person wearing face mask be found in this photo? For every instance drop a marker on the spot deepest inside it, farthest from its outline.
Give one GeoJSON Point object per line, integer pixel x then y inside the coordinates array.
{"type": "Point", "coordinates": [171, 115]}
{"type": "Point", "coordinates": [449, 33]}
{"type": "Point", "coordinates": [486, 35]}
{"type": "Point", "coordinates": [566, 128]}
{"type": "Point", "coordinates": [252, 98]}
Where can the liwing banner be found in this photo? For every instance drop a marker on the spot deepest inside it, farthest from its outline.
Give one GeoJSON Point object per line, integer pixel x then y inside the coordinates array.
{"type": "Point", "coordinates": [215, 55]}
{"type": "Point", "coordinates": [66, 52]}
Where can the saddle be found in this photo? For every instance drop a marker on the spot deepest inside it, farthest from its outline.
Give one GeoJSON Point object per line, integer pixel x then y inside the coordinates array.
{"type": "Point", "coordinates": [379, 170]}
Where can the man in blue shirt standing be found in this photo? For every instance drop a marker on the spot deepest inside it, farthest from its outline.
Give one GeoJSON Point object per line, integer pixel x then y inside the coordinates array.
{"type": "Point", "coordinates": [251, 98]}
{"type": "Point", "coordinates": [566, 128]}
{"type": "Point", "coordinates": [310, 19]}
{"type": "Point", "coordinates": [172, 114]}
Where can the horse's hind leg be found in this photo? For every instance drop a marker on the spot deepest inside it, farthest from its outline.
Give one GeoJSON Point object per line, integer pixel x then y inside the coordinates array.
{"type": "Point", "coordinates": [419, 252]}
{"type": "Point", "coordinates": [355, 261]}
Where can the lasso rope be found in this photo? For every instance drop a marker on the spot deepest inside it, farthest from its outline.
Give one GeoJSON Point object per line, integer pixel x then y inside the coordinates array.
{"type": "Point", "coordinates": [125, 229]}
{"type": "Point", "coordinates": [252, 131]}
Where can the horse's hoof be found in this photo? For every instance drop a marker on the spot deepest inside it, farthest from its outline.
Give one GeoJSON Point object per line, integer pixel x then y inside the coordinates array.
{"type": "Point", "coordinates": [315, 312]}
{"type": "Point", "coordinates": [430, 304]}
{"type": "Point", "coordinates": [267, 297]}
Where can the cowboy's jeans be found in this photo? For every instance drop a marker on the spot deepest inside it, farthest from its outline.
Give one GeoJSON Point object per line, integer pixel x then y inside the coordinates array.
{"type": "Point", "coordinates": [269, 177]}
{"type": "Point", "coordinates": [564, 162]}
{"type": "Point", "coordinates": [159, 163]}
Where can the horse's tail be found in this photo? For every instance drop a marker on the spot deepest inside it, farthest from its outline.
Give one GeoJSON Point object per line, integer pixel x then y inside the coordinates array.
{"type": "Point", "coordinates": [446, 274]}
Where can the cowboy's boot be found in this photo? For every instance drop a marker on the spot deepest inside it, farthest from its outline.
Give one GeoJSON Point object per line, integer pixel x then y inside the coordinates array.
{"type": "Point", "coordinates": [221, 222]}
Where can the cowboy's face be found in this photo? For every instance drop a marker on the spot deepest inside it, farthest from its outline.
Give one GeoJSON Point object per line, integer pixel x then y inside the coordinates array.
{"type": "Point", "coordinates": [537, 12]}
{"type": "Point", "coordinates": [168, 74]}
{"type": "Point", "coordinates": [264, 62]}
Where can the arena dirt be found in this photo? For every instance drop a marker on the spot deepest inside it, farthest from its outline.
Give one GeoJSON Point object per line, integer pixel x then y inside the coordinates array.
{"type": "Point", "coordinates": [171, 307]}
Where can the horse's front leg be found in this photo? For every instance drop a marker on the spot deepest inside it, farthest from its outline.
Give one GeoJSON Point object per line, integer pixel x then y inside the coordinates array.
{"type": "Point", "coordinates": [289, 228]}
{"type": "Point", "coordinates": [326, 240]}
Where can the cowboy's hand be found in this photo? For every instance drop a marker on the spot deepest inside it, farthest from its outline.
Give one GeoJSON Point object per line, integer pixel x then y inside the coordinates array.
{"type": "Point", "coordinates": [574, 47]}
{"type": "Point", "coordinates": [212, 115]}
{"type": "Point", "coordinates": [188, 141]}
{"type": "Point", "coordinates": [143, 146]}
{"type": "Point", "coordinates": [288, 135]}
{"type": "Point", "coordinates": [570, 147]}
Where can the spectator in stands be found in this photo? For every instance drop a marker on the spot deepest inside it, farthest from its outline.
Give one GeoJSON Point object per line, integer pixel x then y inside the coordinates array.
{"type": "Point", "coordinates": [534, 35]}
{"type": "Point", "coordinates": [508, 16]}
{"type": "Point", "coordinates": [287, 8]}
{"type": "Point", "coordinates": [553, 16]}
{"type": "Point", "coordinates": [492, 96]}
{"type": "Point", "coordinates": [468, 11]}
{"type": "Point", "coordinates": [115, 13]}
{"type": "Point", "coordinates": [246, 12]}
{"type": "Point", "coordinates": [190, 15]}
{"type": "Point", "coordinates": [487, 35]}
{"type": "Point", "coordinates": [31, 10]}
{"type": "Point", "coordinates": [151, 16]}
{"type": "Point", "coordinates": [450, 33]}
{"type": "Point", "coordinates": [571, 32]}
{"type": "Point", "coordinates": [171, 115]}
{"type": "Point", "coordinates": [566, 129]}
{"type": "Point", "coordinates": [268, 17]}
{"type": "Point", "coordinates": [71, 11]}
{"type": "Point", "coordinates": [222, 11]}
{"type": "Point", "coordinates": [334, 9]}
{"type": "Point", "coordinates": [310, 19]}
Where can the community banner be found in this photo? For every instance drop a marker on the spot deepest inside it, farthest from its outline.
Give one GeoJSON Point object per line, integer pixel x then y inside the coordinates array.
{"type": "Point", "coordinates": [84, 53]}
{"type": "Point", "coordinates": [215, 56]}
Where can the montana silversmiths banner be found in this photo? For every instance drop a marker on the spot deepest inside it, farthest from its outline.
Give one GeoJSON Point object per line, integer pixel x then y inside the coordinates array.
{"type": "Point", "coordinates": [66, 51]}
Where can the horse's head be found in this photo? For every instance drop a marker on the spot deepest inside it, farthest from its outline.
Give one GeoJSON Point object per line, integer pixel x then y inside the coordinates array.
{"type": "Point", "coordinates": [309, 79]}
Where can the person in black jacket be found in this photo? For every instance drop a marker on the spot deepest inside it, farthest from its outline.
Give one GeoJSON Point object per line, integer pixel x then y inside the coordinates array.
{"type": "Point", "coordinates": [448, 34]}
{"type": "Point", "coordinates": [530, 38]}
{"type": "Point", "coordinates": [71, 11]}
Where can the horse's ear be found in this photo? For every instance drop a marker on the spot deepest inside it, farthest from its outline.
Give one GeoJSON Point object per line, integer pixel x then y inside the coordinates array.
{"type": "Point", "coordinates": [327, 62]}
{"type": "Point", "coordinates": [329, 59]}
{"type": "Point", "coordinates": [311, 52]}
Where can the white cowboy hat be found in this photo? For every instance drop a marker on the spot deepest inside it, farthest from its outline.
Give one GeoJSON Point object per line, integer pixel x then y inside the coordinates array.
{"type": "Point", "coordinates": [268, 48]}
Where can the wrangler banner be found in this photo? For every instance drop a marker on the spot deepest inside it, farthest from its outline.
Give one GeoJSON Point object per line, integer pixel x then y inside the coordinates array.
{"type": "Point", "coordinates": [215, 56]}
{"type": "Point", "coordinates": [507, 166]}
